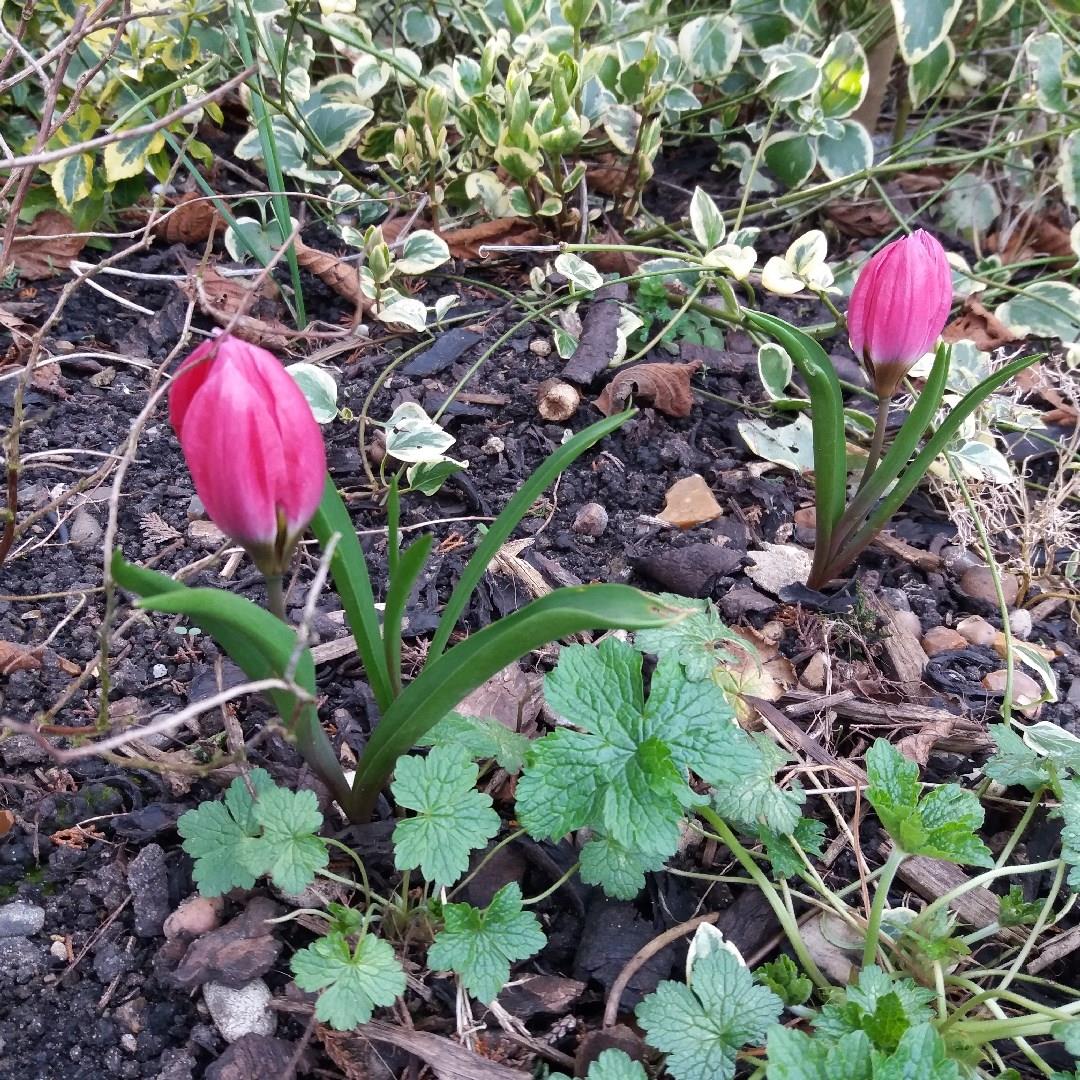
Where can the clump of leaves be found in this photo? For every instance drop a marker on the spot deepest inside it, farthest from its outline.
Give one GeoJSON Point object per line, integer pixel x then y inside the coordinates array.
{"type": "Point", "coordinates": [624, 770]}
{"type": "Point", "coordinates": [655, 308]}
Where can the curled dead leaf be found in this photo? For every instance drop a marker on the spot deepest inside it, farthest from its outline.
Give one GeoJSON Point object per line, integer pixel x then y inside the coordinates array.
{"type": "Point", "coordinates": [979, 325]}
{"type": "Point", "coordinates": [343, 277]}
{"type": "Point", "coordinates": [228, 301]}
{"type": "Point", "coordinates": [665, 386]}
{"type": "Point", "coordinates": [44, 247]}
{"type": "Point", "coordinates": [860, 217]}
{"type": "Point", "coordinates": [192, 220]}
{"type": "Point", "coordinates": [466, 243]}
{"type": "Point", "coordinates": [18, 658]}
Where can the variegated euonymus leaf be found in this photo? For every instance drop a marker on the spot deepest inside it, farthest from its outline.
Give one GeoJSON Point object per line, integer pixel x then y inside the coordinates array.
{"type": "Point", "coordinates": [850, 153]}
{"type": "Point", "coordinates": [709, 45]}
{"type": "Point", "coordinates": [412, 436]}
{"type": "Point", "coordinates": [790, 157]}
{"type": "Point", "coordinates": [705, 220]}
{"type": "Point", "coordinates": [921, 24]}
{"type": "Point", "coordinates": [845, 76]}
{"type": "Point", "coordinates": [320, 389]}
{"type": "Point", "coordinates": [578, 272]}
{"type": "Point", "coordinates": [1044, 56]}
{"type": "Point", "coordinates": [926, 76]}
{"type": "Point", "coordinates": [1069, 169]}
{"type": "Point", "coordinates": [127, 158]}
{"type": "Point", "coordinates": [1045, 309]}
{"type": "Point", "coordinates": [422, 251]}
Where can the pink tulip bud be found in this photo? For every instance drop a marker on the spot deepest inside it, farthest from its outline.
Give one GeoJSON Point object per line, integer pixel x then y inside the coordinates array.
{"type": "Point", "coordinates": [899, 307]}
{"type": "Point", "coordinates": [252, 446]}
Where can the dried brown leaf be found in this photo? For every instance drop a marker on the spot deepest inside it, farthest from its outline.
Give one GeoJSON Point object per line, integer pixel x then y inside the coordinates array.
{"type": "Point", "coordinates": [18, 658]}
{"type": "Point", "coordinates": [860, 217]}
{"type": "Point", "coordinates": [665, 386]}
{"type": "Point", "coordinates": [466, 243]}
{"type": "Point", "coordinates": [978, 324]}
{"type": "Point", "coordinates": [192, 220]}
{"type": "Point", "coordinates": [343, 277]}
{"type": "Point", "coordinates": [43, 248]}
{"type": "Point", "coordinates": [221, 298]}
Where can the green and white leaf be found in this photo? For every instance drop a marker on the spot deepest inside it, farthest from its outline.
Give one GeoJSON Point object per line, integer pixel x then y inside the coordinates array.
{"type": "Point", "coordinates": [970, 206]}
{"type": "Point", "coordinates": [790, 445]}
{"type": "Point", "coordinates": [412, 436]}
{"type": "Point", "coordinates": [422, 251]}
{"type": "Point", "coordinates": [845, 76]}
{"type": "Point", "coordinates": [709, 46]}
{"type": "Point", "coordinates": [789, 75]}
{"type": "Point", "coordinates": [1068, 173]}
{"type": "Point", "coordinates": [578, 272]}
{"type": "Point", "coordinates": [335, 125]}
{"type": "Point", "coordinates": [452, 817]}
{"type": "Point", "coordinates": [790, 157]}
{"type": "Point", "coordinates": [319, 388]}
{"type": "Point", "coordinates": [706, 220]}
{"type": "Point", "coordinates": [353, 981]}
{"type": "Point", "coordinates": [404, 311]}
{"type": "Point", "coordinates": [1070, 834]}
{"type": "Point", "coordinates": [921, 25]}
{"type": "Point", "coordinates": [1044, 309]}
{"type": "Point", "coordinates": [429, 477]}
{"type": "Point", "coordinates": [420, 27]}
{"type": "Point", "coordinates": [774, 369]}
{"type": "Point", "coordinates": [481, 944]}
{"type": "Point", "coordinates": [1045, 56]}
{"type": "Point", "coordinates": [851, 152]}
{"type": "Point", "coordinates": [928, 75]}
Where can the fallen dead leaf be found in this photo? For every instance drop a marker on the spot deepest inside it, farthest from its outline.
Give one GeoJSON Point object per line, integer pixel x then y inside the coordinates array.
{"type": "Point", "coordinates": [689, 502]}
{"type": "Point", "coordinates": [18, 658]}
{"type": "Point", "coordinates": [860, 217]}
{"type": "Point", "coordinates": [665, 386]}
{"type": "Point", "coordinates": [978, 324]}
{"type": "Point", "coordinates": [606, 175]}
{"type": "Point", "coordinates": [43, 248]}
{"type": "Point", "coordinates": [7, 822]}
{"type": "Point", "coordinates": [193, 220]}
{"type": "Point", "coordinates": [343, 277]}
{"type": "Point", "coordinates": [1030, 237]}
{"type": "Point", "coordinates": [466, 243]}
{"type": "Point", "coordinates": [221, 298]}
{"type": "Point", "coordinates": [623, 263]}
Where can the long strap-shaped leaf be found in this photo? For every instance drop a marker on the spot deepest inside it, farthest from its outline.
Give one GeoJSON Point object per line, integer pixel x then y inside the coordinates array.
{"type": "Point", "coordinates": [407, 569]}
{"type": "Point", "coordinates": [259, 643]}
{"type": "Point", "coordinates": [501, 528]}
{"type": "Point", "coordinates": [908, 480]}
{"type": "Point", "coordinates": [899, 453]}
{"type": "Point", "coordinates": [445, 681]}
{"type": "Point", "coordinates": [348, 567]}
{"type": "Point", "coordinates": [827, 416]}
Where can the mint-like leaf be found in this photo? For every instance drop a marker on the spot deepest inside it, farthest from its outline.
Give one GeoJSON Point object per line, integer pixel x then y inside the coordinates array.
{"type": "Point", "coordinates": [879, 1005]}
{"type": "Point", "coordinates": [751, 797]}
{"type": "Point", "coordinates": [481, 737]}
{"type": "Point", "coordinates": [216, 834]}
{"type": "Point", "coordinates": [626, 773]}
{"type": "Point", "coordinates": [353, 982]}
{"type": "Point", "coordinates": [618, 870]}
{"type": "Point", "coordinates": [794, 1055]}
{"type": "Point", "coordinates": [452, 817]}
{"type": "Point", "coordinates": [1070, 834]}
{"type": "Point", "coordinates": [288, 851]}
{"type": "Point", "coordinates": [611, 1065]}
{"type": "Point", "coordinates": [942, 825]}
{"type": "Point", "coordinates": [809, 834]}
{"type": "Point", "coordinates": [701, 1028]}
{"type": "Point", "coordinates": [1015, 764]}
{"type": "Point", "coordinates": [481, 944]}
{"type": "Point", "coordinates": [921, 1053]}
{"type": "Point", "coordinates": [699, 641]}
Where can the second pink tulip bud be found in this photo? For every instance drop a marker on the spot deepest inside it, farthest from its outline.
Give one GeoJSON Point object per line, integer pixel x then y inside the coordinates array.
{"type": "Point", "coordinates": [899, 307]}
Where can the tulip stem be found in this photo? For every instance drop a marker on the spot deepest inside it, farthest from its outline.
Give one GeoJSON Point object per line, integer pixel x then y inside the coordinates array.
{"type": "Point", "coordinates": [878, 442]}
{"type": "Point", "coordinates": [275, 596]}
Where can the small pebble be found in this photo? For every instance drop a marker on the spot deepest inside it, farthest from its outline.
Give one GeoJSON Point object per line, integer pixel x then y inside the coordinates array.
{"type": "Point", "coordinates": [976, 630]}
{"type": "Point", "coordinates": [159, 671]}
{"type": "Point", "coordinates": [1020, 623]}
{"type": "Point", "coordinates": [494, 446]}
{"type": "Point", "coordinates": [241, 1012]}
{"type": "Point", "coordinates": [58, 950]}
{"type": "Point", "coordinates": [978, 583]}
{"type": "Point", "coordinates": [1025, 689]}
{"type": "Point", "coordinates": [557, 400]}
{"type": "Point", "coordinates": [20, 919]}
{"type": "Point", "coordinates": [909, 621]}
{"type": "Point", "coordinates": [86, 530]}
{"type": "Point", "coordinates": [958, 559]}
{"type": "Point", "coordinates": [205, 535]}
{"type": "Point", "coordinates": [941, 639]}
{"type": "Point", "coordinates": [196, 915]}
{"type": "Point", "coordinates": [540, 347]}
{"type": "Point", "coordinates": [129, 1042]}
{"type": "Point", "coordinates": [591, 520]}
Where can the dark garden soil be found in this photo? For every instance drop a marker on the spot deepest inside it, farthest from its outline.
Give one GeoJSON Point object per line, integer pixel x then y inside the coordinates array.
{"type": "Point", "coordinates": [100, 989]}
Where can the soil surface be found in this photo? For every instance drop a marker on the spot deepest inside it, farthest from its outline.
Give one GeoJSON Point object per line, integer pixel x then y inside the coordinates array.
{"type": "Point", "coordinates": [97, 988]}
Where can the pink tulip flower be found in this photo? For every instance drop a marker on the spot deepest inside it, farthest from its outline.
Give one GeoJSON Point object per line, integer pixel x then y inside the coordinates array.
{"type": "Point", "coordinates": [899, 307]}
{"type": "Point", "coordinates": [254, 450]}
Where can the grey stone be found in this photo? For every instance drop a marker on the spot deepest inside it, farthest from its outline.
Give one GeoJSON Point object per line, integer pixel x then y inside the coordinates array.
{"type": "Point", "coordinates": [110, 961]}
{"type": "Point", "coordinates": [22, 750]}
{"type": "Point", "coordinates": [20, 919]}
{"type": "Point", "coordinates": [177, 1065]}
{"type": "Point", "coordinates": [21, 960]}
{"type": "Point", "coordinates": [85, 529]}
{"type": "Point", "coordinates": [237, 1013]}
{"type": "Point", "coordinates": [149, 885]}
